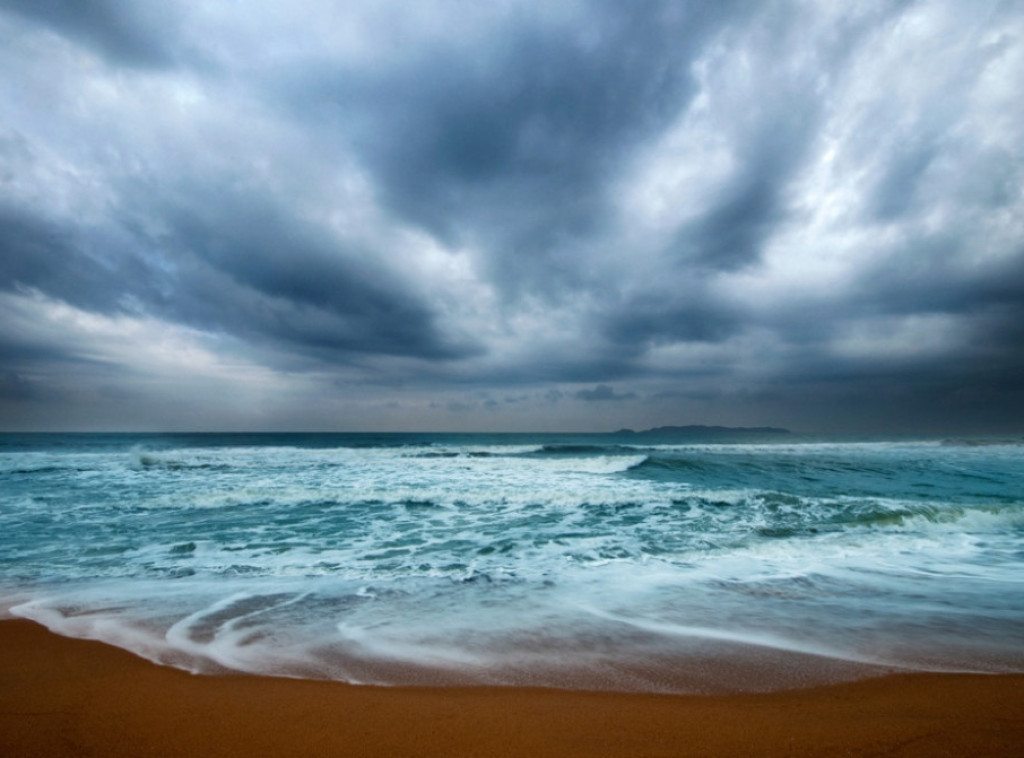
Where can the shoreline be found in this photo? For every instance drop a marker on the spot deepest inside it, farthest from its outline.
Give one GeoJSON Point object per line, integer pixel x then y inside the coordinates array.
{"type": "Point", "coordinates": [63, 697]}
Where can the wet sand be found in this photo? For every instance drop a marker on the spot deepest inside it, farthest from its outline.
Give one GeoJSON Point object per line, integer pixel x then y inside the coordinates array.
{"type": "Point", "coordinates": [62, 697]}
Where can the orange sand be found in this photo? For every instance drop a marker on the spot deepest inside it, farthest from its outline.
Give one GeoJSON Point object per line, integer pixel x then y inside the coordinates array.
{"type": "Point", "coordinates": [61, 697]}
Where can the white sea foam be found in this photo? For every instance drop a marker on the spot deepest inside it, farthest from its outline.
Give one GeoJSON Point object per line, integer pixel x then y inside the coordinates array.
{"type": "Point", "coordinates": [474, 561]}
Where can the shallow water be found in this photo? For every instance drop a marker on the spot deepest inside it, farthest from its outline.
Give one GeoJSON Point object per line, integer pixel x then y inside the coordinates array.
{"type": "Point", "coordinates": [606, 561]}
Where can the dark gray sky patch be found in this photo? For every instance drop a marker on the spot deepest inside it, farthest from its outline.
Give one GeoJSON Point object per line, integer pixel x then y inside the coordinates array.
{"type": "Point", "coordinates": [730, 236]}
{"type": "Point", "coordinates": [294, 271]}
{"type": "Point", "coordinates": [672, 317]}
{"type": "Point", "coordinates": [17, 350]}
{"type": "Point", "coordinates": [125, 32]}
{"type": "Point", "coordinates": [897, 189]}
{"type": "Point", "coordinates": [602, 393]}
{"type": "Point", "coordinates": [511, 144]}
{"type": "Point", "coordinates": [92, 269]}
{"type": "Point", "coordinates": [15, 387]}
{"type": "Point", "coordinates": [948, 273]}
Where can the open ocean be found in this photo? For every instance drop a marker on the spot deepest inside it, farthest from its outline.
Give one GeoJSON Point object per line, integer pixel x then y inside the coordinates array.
{"type": "Point", "coordinates": [597, 561]}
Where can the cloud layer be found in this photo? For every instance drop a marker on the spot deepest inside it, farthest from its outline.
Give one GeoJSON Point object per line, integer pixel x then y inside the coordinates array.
{"type": "Point", "coordinates": [493, 216]}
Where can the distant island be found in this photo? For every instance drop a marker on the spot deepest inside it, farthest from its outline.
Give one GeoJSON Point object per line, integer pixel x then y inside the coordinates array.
{"type": "Point", "coordinates": [704, 431]}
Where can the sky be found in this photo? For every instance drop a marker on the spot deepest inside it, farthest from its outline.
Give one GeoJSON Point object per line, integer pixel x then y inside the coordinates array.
{"type": "Point", "coordinates": [515, 216]}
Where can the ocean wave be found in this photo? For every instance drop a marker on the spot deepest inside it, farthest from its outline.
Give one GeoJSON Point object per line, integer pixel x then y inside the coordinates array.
{"type": "Point", "coordinates": [497, 451]}
{"type": "Point", "coordinates": [150, 461]}
{"type": "Point", "coordinates": [43, 469]}
{"type": "Point", "coordinates": [1012, 442]}
{"type": "Point", "coordinates": [373, 563]}
{"type": "Point", "coordinates": [568, 449]}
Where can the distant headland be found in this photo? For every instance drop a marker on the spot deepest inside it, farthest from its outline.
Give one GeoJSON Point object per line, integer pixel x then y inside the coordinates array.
{"type": "Point", "coordinates": [704, 431]}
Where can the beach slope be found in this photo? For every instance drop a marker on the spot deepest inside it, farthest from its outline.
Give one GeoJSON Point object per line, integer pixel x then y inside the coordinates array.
{"type": "Point", "coordinates": [63, 697]}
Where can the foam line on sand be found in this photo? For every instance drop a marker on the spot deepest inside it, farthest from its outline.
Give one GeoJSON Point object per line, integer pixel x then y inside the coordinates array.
{"type": "Point", "coordinates": [64, 697]}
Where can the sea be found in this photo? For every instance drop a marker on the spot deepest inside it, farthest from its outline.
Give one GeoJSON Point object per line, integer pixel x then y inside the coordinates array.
{"type": "Point", "coordinates": [628, 562]}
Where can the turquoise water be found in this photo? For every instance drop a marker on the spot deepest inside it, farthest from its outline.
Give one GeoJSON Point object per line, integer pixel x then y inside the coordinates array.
{"type": "Point", "coordinates": [603, 561]}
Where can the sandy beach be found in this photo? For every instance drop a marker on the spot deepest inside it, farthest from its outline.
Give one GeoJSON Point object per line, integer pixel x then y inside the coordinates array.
{"type": "Point", "coordinates": [63, 697]}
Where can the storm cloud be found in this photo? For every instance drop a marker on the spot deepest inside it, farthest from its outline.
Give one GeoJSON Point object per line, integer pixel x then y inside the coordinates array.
{"type": "Point", "coordinates": [386, 215]}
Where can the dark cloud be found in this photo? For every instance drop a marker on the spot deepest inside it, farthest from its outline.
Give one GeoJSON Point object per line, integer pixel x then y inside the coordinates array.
{"type": "Point", "coordinates": [774, 127]}
{"type": "Point", "coordinates": [91, 269]}
{"type": "Point", "coordinates": [237, 264]}
{"type": "Point", "coordinates": [123, 31]}
{"type": "Point", "coordinates": [731, 234]}
{"type": "Point", "coordinates": [710, 212]}
{"type": "Point", "coordinates": [296, 283]}
{"type": "Point", "coordinates": [687, 315]}
{"type": "Point", "coordinates": [603, 392]}
{"type": "Point", "coordinates": [897, 188]}
{"type": "Point", "coordinates": [15, 387]}
{"type": "Point", "coordinates": [510, 144]}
